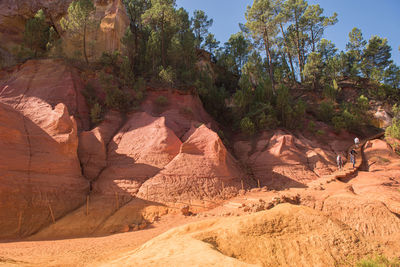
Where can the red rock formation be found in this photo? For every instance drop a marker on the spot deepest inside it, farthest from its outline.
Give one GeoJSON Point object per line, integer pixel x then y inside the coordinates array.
{"type": "Point", "coordinates": [181, 111]}
{"type": "Point", "coordinates": [92, 149]}
{"type": "Point", "coordinates": [39, 85]}
{"type": "Point", "coordinates": [142, 147]}
{"type": "Point", "coordinates": [111, 15]}
{"type": "Point", "coordinates": [39, 169]}
{"type": "Point", "coordinates": [283, 160]}
{"type": "Point", "coordinates": [202, 169]}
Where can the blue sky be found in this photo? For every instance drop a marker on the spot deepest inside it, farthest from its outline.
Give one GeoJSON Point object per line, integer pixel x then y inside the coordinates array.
{"type": "Point", "coordinates": [373, 17]}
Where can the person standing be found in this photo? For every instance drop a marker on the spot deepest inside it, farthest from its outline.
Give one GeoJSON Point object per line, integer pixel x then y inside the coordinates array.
{"type": "Point", "coordinates": [356, 142]}
{"type": "Point", "coordinates": [339, 161]}
{"type": "Point", "coordinates": [353, 157]}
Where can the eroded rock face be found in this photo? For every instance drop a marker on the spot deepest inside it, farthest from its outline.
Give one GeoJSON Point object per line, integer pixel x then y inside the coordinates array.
{"type": "Point", "coordinates": [111, 15]}
{"type": "Point", "coordinates": [202, 169]}
{"type": "Point", "coordinates": [181, 112]}
{"type": "Point", "coordinates": [283, 160]}
{"type": "Point", "coordinates": [15, 13]}
{"type": "Point", "coordinates": [39, 85]}
{"type": "Point", "coordinates": [142, 147]}
{"type": "Point", "coordinates": [93, 144]}
{"type": "Point", "coordinates": [39, 170]}
{"type": "Point", "coordinates": [368, 216]}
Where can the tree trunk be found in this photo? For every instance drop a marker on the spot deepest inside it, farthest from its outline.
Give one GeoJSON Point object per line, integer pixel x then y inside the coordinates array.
{"type": "Point", "coordinates": [84, 43]}
{"type": "Point", "coordinates": [288, 53]}
{"type": "Point", "coordinates": [298, 48]}
{"type": "Point", "coordinates": [162, 41]}
{"type": "Point", "coordinates": [270, 67]}
{"type": "Point", "coordinates": [312, 40]}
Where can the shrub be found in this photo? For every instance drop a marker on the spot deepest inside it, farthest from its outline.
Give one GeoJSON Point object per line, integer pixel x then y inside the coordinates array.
{"type": "Point", "coordinates": [161, 101]}
{"type": "Point", "coordinates": [311, 126]}
{"type": "Point", "coordinates": [247, 126]}
{"type": "Point", "coordinates": [186, 111]}
{"type": "Point", "coordinates": [326, 111]}
{"type": "Point", "coordinates": [378, 261]}
{"type": "Point", "coordinates": [394, 129]}
{"type": "Point", "coordinates": [127, 73]}
{"type": "Point", "coordinates": [117, 99]}
{"type": "Point", "coordinates": [320, 132]}
{"type": "Point", "coordinates": [96, 114]}
{"type": "Point", "coordinates": [109, 59]}
{"type": "Point", "coordinates": [90, 94]}
{"type": "Point", "coordinates": [36, 34]}
{"type": "Point", "coordinates": [140, 84]}
{"type": "Point", "coordinates": [167, 75]}
{"type": "Point", "coordinates": [338, 123]}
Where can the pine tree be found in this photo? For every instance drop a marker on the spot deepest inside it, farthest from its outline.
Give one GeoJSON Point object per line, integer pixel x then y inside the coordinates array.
{"type": "Point", "coordinates": [376, 58]}
{"type": "Point", "coordinates": [315, 24]}
{"type": "Point", "coordinates": [160, 16]}
{"type": "Point", "coordinates": [210, 43]}
{"type": "Point", "coordinates": [80, 21]}
{"type": "Point", "coordinates": [295, 10]}
{"type": "Point", "coordinates": [200, 25]}
{"type": "Point", "coordinates": [263, 24]}
{"type": "Point", "coordinates": [36, 34]}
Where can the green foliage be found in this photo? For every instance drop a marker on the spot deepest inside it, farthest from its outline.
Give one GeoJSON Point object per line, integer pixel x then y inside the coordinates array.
{"type": "Point", "coordinates": [115, 97]}
{"type": "Point", "coordinates": [247, 126]}
{"type": "Point", "coordinates": [167, 75]}
{"type": "Point", "coordinates": [108, 59]}
{"type": "Point", "coordinates": [162, 101]}
{"type": "Point", "coordinates": [236, 52]}
{"type": "Point", "coordinates": [126, 73]}
{"type": "Point", "coordinates": [200, 26]}
{"type": "Point", "coordinates": [79, 22]}
{"type": "Point", "coordinates": [311, 126]}
{"type": "Point", "coordinates": [210, 43]}
{"type": "Point", "coordinates": [313, 69]}
{"type": "Point", "coordinates": [187, 111]}
{"type": "Point", "coordinates": [353, 116]}
{"type": "Point", "coordinates": [331, 91]}
{"type": "Point", "coordinates": [378, 261]}
{"type": "Point", "coordinates": [290, 112]}
{"type": "Point", "coordinates": [326, 111]}
{"type": "Point", "coordinates": [96, 114]}
{"type": "Point", "coordinates": [376, 58]}
{"type": "Point", "coordinates": [394, 129]}
{"type": "Point", "coordinates": [90, 95]}
{"type": "Point", "coordinates": [320, 132]}
{"type": "Point", "coordinates": [161, 16]}
{"type": "Point", "coordinates": [36, 34]}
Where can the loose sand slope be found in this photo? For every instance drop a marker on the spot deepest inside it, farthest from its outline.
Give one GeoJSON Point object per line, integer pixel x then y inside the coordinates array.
{"type": "Point", "coordinates": [284, 236]}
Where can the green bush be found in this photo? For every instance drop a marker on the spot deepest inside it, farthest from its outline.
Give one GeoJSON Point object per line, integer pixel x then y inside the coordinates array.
{"type": "Point", "coordinates": [90, 94]}
{"type": "Point", "coordinates": [117, 99]}
{"type": "Point", "coordinates": [187, 111]}
{"type": "Point", "coordinates": [311, 126]}
{"type": "Point", "coordinates": [108, 59]}
{"type": "Point", "coordinates": [394, 130]}
{"type": "Point", "coordinates": [96, 114]}
{"type": "Point", "coordinates": [320, 132]}
{"type": "Point", "coordinates": [161, 101]}
{"type": "Point", "coordinates": [378, 261]}
{"type": "Point", "coordinates": [247, 126]}
{"type": "Point", "coordinates": [326, 111]}
{"type": "Point", "coordinates": [167, 75]}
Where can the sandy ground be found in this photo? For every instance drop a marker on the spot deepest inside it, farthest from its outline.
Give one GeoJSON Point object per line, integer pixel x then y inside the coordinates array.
{"type": "Point", "coordinates": [83, 251]}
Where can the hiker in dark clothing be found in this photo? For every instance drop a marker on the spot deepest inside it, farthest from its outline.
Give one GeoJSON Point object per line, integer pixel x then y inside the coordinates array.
{"type": "Point", "coordinates": [353, 157]}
